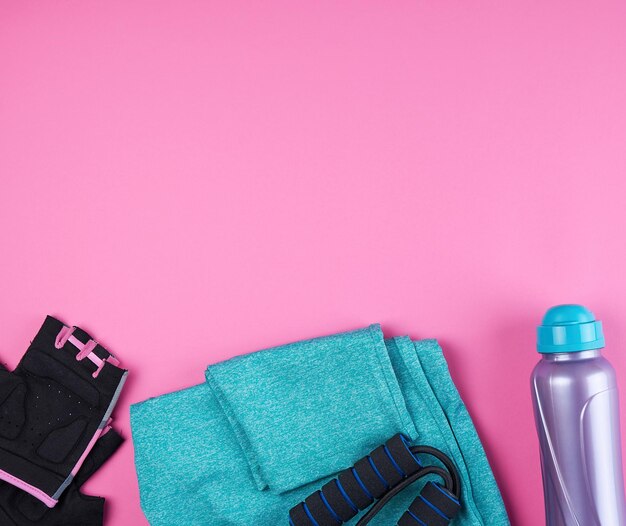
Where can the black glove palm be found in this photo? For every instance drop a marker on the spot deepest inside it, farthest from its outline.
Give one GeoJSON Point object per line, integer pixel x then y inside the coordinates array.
{"type": "Point", "coordinates": [53, 408]}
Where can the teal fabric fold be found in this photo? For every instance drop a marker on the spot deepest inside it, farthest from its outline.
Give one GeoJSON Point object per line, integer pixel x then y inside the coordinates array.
{"type": "Point", "coordinates": [303, 410]}
{"type": "Point", "coordinates": [269, 428]}
{"type": "Point", "coordinates": [478, 475]}
{"type": "Point", "coordinates": [429, 390]}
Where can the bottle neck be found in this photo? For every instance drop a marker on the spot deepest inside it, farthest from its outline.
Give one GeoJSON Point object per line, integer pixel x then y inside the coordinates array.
{"type": "Point", "coordinates": [572, 356]}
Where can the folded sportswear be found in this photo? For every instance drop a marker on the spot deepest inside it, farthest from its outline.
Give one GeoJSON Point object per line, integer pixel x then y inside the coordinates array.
{"type": "Point", "coordinates": [269, 429]}
{"type": "Point", "coordinates": [53, 408]}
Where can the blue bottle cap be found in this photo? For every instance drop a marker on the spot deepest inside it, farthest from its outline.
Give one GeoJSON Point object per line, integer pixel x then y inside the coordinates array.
{"type": "Point", "coordinates": [569, 328]}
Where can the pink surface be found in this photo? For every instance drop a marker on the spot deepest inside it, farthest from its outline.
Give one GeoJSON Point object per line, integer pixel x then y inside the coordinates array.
{"type": "Point", "coordinates": [191, 180]}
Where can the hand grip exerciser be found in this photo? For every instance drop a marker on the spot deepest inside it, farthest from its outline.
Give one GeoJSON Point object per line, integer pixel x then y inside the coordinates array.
{"type": "Point", "coordinates": [376, 479]}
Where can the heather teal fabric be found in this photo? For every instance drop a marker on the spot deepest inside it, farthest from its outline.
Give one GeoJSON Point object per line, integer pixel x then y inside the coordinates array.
{"type": "Point", "coordinates": [429, 390]}
{"type": "Point", "coordinates": [268, 429]}
{"type": "Point", "coordinates": [338, 395]}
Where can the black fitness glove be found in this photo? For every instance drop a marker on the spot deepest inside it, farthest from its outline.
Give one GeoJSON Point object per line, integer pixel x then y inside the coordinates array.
{"type": "Point", "coordinates": [18, 508]}
{"type": "Point", "coordinates": [53, 409]}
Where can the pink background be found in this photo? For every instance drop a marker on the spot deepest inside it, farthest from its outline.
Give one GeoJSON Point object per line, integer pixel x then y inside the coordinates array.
{"type": "Point", "coordinates": [191, 180]}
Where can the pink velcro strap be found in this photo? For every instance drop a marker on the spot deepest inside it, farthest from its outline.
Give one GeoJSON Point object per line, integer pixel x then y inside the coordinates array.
{"type": "Point", "coordinates": [86, 349]}
{"type": "Point", "coordinates": [63, 336]}
{"type": "Point", "coordinates": [111, 359]}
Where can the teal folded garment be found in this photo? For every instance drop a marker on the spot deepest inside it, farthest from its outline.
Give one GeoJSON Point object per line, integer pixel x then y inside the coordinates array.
{"type": "Point", "coordinates": [269, 428]}
{"type": "Point", "coordinates": [302, 411]}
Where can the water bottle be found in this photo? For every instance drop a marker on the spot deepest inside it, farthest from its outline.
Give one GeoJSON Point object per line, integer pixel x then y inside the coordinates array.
{"type": "Point", "coordinates": [576, 407]}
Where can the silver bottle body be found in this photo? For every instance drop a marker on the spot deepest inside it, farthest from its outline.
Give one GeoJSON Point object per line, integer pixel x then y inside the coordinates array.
{"type": "Point", "coordinates": [576, 407]}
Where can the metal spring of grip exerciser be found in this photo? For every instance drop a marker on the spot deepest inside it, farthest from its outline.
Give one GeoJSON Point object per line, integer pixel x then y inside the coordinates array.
{"type": "Point", "coordinates": [376, 479]}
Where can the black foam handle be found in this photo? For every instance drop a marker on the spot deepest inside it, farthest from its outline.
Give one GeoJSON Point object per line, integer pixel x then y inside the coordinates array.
{"type": "Point", "coordinates": [358, 487]}
{"type": "Point", "coordinates": [391, 474]}
{"type": "Point", "coordinates": [336, 501]}
{"type": "Point", "coordinates": [368, 475]}
{"type": "Point", "coordinates": [324, 515]}
{"type": "Point", "coordinates": [434, 506]}
{"type": "Point", "coordinates": [441, 498]}
{"type": "Point", "coordinates": [399, 450]}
